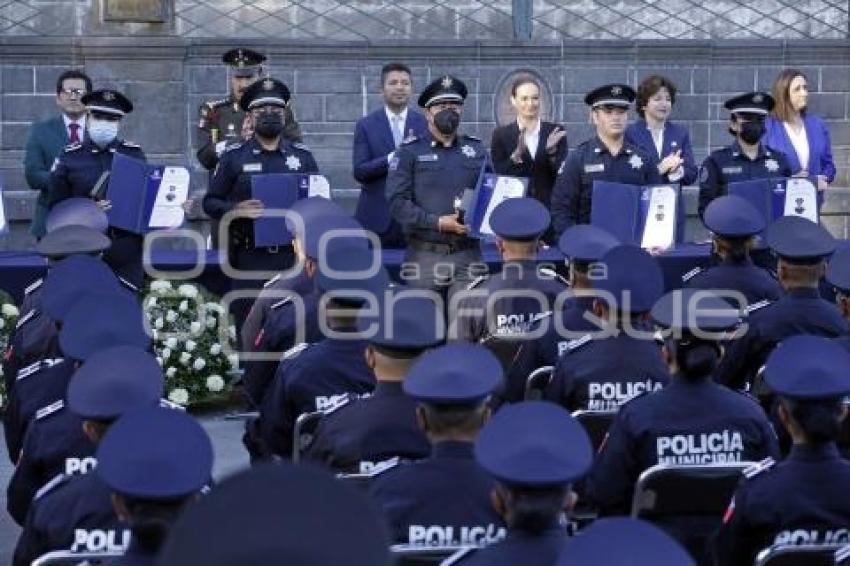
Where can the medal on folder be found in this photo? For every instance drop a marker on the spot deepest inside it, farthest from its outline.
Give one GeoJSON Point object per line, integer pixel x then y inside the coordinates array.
{"type": "Point", "coordinates": [777, 196]}
{"type": "Point", "coordinates": [645, 216]}
{"type": "Point", "coordinates": [279, 191]}
{"type": "Point", "coordinates": [146, 197]}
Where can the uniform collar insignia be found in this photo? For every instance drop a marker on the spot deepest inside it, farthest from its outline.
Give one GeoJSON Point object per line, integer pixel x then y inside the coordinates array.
{"type": "Point", "coordinates": [635, 161]}
{"type": "Point", "coordinates": [293, 163]}
{"type": "Point", "coordinates": [468, 150]}
{"type": "Point", "coordinates": [268, 84]}
{"type": "Point", "coordinates": [771, 165]}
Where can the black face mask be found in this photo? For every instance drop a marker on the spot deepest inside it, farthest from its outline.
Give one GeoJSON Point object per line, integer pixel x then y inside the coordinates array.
{"type": "Point", "coordinates": [269, 125]}
{"type": "Point", "coordinates": [751, 132]}
{"type": "Point", "coordinates": [447, 121]}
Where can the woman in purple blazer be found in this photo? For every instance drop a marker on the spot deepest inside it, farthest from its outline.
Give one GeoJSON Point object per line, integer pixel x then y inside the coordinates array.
{"type": "Point", "coordinates": [801, 136]}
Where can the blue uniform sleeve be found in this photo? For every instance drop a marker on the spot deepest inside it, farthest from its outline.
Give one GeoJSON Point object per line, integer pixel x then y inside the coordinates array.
{"type": "Point", "coordinates": [611, 481]}
{"type": "Point", "coordinates": [25, 481]}
{"type": "Point", "coordinates": [58, 187]}
{"type": "Point", "coordinates": [736, 543]}
{"type": "Point", "coordinates": [216, 201]}
{"type": "Point", "coordinates": [367, 168]}
{"type": "Point", "coordinates": [561, 387]}
{"type": "Point", "coordinates": [275, 418]}
{"type": "Point", "coordinates": [310, 165]}
{"type": "Point", "coordinates": [566, 195]}
{"type": "Point", "coordinates": [734, 368]}
{"type": "Point", "coordinates": [31, 544]}
{"type": "Point", "coordinates": [400, 189]}
{"type": "Point", "coordinates": [709, 183]}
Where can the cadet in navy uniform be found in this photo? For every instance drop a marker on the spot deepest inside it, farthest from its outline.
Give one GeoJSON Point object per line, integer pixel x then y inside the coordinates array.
{"type": "Point", "coordinates": [838, 275]}
{"type": "Point", "coordinates": [605, 157]}
{"type": "Point", "coordinates": [603, 373]}
{"type": "Point", "coordinates": [82, 170]}
{"type": "Point", "coordinates": [693, 420]}
{"type": "Point", "coordinates": [426, 180]}
{"type": "Point", "coordinates": [363, 435]}
{"type": "Point", "coordinates": [445, 499]}
{"type": "Point", "coordinates": [747, 158]}
{"type": "Point", "coordinates": [534, 450]}
{"type": "Point", "coordinates": [230, 186]}
{"type": "Point", "coordinates": [155, 461]}
{"type": "Point", "coordinates": [803, 499]}
{"type": "Point", "coordinates": [74, 512]}
{"type": "Point", "coordinates": [572, 317]}
{"type": "Point", "coordinates": [734, 223]}
{"type": "Point", "coordinates": [529, 290]}
{"type": "Point", "coordinates": [802, 247]}
{"type": "Point", "coordinates": [320, 376]}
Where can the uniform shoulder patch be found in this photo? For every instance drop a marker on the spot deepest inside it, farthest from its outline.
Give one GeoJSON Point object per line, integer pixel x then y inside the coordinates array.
{"type": "Point", "coordinates": [231, 146]}
{"type": "Point", "coordinates": [550, 273]}
{"type": "Point", "coordinates": [272, 281]}
{"type": "Point", "coordinates": [127, 284]}
{"type": "Point", "coordinates": [34, 285]}
{"type": "Point", "coordinates": [759, 468]}
{"type": "Point", "coordinates": [280, 303]}
{"type": "Point", "coordinates": [26, 318]}
{"type": "Point", "coordinates": [476, 282]}
{"type": "Point", "coordinates": [50, 409]}
{"type": "Point", "coordinates": [301, 146]}
{"type": "Point", "coordinates": [409, 140]}
{"type": "Point", "coordinates": [338, 403]}
{"type": "Point", "coordinates": [573, 345]}
{"type": "Point", "coordinates": [213, 104]}
{"type": "Point", "coordinates": [127, 143]}
{"type": "Point", "coordinates": [72, 147]}
{"type": "Point", "coordinates": [166, 404]}
{"type": "Point", "coordinates": [758, 306]}
{"type": "Point", "coordinates": [36, 367]}
{"type": "Point", "coordinates": [691, 274]}
{"type": "Point", "coordinates": [381, 467]}
{"type": "Point", "coordinates": [471, 137]}
{"type": "Point", "coordinates": [57, 481]}
{"type": "Point", "coordinates": [295, 351]}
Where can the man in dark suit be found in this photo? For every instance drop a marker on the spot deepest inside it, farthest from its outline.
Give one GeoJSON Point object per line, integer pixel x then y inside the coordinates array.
{"type": "Point", "coordinates": [47, 138]}
{"type": "Point", "coordinates": [376, 137]}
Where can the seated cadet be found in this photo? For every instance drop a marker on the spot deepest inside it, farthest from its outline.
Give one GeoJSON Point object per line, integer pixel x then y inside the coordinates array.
{"type": "Point", "coordinates": [624, 361]}
{"type": "Point", "coordinates": [74, 512]}
{"type": "Point", "coordinates": [734, 224]}
{"type": "Point", "coordinates": [534, 450]}
{"type": "Point", "coordinates": [286, 515]}
{"type": "Point", "coordinates": [582, 244]}
{"type": "Point", "coordinates": [363, 435]}
{"type": "Point", "coordinates": [802, 247]}
{"type": "Point", "coordinates": [445, 499]}
{"type": "Point", "coordinates": [320, 376]}
{"type": "Point", "coordinates": [70, 280]}
{"type": "Point", "coordinates": [693, 420]}
{"type": "Point", "coordinates": [635, 542]}
{"type": "Point", "coordinates": [529, 291]}
{"type": "Point", "coordinates": [605, 157]}
{"type": "Point", "coordinates": [155, 462]}
{"type": "Point", "coordinates": [748, 157]}
{"type": "Point", "coordinates": [803, 499]}
{"type": "Point", "coordinates": [838, 275]}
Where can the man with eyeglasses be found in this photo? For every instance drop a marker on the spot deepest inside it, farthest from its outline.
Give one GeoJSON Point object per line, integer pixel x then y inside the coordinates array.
{"type": "Point", "coordinates": [47, 138]}
{"type": "Point", "coordinates": [267, 151]}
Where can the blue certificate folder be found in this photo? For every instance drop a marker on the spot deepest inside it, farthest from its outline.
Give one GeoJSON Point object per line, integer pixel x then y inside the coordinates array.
{"type": "Point", "coordinates": [482, 201]}
{"type": "Point", "coordinates": [276, 191]}
{"type": "Point", "coordinates": [133, 187]}
{"type": "Point", "coordinates": [622, 209]}
{"type": "Point", "coordinates": [768, 195]}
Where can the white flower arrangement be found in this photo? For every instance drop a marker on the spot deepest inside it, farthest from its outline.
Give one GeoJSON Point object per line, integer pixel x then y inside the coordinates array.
{"type": "Point", "coordinates": [179, 395]}
{"type": "Point", "coordinates": [9, 314]}
{"type": "Point", "coordinates": [215, 383]}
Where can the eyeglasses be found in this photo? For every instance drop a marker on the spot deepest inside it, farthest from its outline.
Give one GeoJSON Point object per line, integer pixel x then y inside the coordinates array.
{"type": "Point", "coordinates": [78, 92]}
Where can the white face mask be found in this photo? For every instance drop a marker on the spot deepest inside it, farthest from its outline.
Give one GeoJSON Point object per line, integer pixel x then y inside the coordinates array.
{"type": "Point", "coordinates": [102, 132]}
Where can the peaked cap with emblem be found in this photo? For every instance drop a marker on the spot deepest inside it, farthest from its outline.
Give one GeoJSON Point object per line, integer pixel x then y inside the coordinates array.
{"type": "Point", "coordinates": [445, 89]}
{"type": "Point", "coordinates": [621, 95]}
{"type": "Point", "coordinates": [750, 103]}
{"type": "Point", "coordinates": [799, 241]}
{"type": "Point", "coordinates": [455, 374]}
{"type": "Point", "coordinates": [520, 219]}
{"type": "Point", "coordinates": [107, 102]}
{"type": "Point", "coordinates": [265, 92]}
{"type": "Point", "coordinates": [808, 367]}
{"type": "Point", "coordinates": [244, 62]}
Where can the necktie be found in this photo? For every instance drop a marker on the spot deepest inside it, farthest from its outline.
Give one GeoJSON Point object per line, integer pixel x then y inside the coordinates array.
{"type": "Point", "coordinates": [75, 136]}
{"type": "Point", "coordinates": [397, 130]}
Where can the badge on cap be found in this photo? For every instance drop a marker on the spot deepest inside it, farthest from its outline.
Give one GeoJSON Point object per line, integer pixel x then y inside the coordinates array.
{"type": "Point", "coordinates": [616, 91]}
{"type": "Point", "coordinates": [447, 82]}
{"type": "Point", "coordinates": [758, 98]}
{"type": "Point", "coordinates": [108, 96]}
{"type": "Point", "coordinates": [771, 165]}
{"type": "Point", "coordinates": [293, 163]}
{"type": "Point", "coordinates": [468, 151]}
{"type": "Point", "coordinates": [268, 84]}
{"type": "Point", "coordinates": [635, 161]}
{"type": "Point", "coordinates": [240, 59]}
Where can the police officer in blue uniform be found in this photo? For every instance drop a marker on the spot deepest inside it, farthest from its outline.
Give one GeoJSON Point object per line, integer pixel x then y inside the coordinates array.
{"type": "Point", "coordinates": [320, 376]}
{"type": "Point", "coordinates": [693, 420]}
{"type": "Point", "coordinates": [803, 499]}
{"type": "Point", "coordinates": [605, 157]}
{"type": "Point", "coordinates": [154, 461]}
{"type": "Point", "coordinates": [734, 223]}
{"type": "Point", "coordinates": [838, 275]}
{"type": "Point", "coordinates": [534, 450]}
{"type": "Point", "coordinates": [74, 511]}
{"type": "Point", "coordinates": [747, 158]}
{"type": "Point", "coordinates": [425, 184]}
{"type": "Point", "coordinates": [802, 247]}
{"type": "Point", "coordinates": [366, 434]}
{"type": "Point", "coordinates": [82, 170]}
{"type": "Point", "coordinates": [445, 499]}
{"type": "Point", "coordinates": [603, 373]}
{"type": "Point", "coordinates": [230, 186]}
{"type": "Point", "coordinates": [527, 290]}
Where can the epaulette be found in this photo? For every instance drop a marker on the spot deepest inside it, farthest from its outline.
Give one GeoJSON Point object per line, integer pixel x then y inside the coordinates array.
{"type": "Point", "coordinates": [381, 467]}
{"type": "Point", "coordinates": [166, 404]}
{"type": "Point", "coordinates": [232, 146]}
{"type": "Point", "coordinates": [26, 318]}
{"type": "Point", "coordinates": [540, 316]}
{"type": "Point", "coordinates": [552, 274]}
{"type": "Point", "coordinates": [691, 274]}
{"type": "Point", "coordinates": [470, 136]}
{"type": "Point", "coordinates": [35, 367]}
{"type": "Point", "coordinates": [49, 410]}
{"type": "Point", "coordinates": [476, 282]}
{"type": "Point", "coordinates": [301, 146]}
{"type": "Point", "coordinates": [34, 285]}
{"type": "Point", "coordinates": [272, 281]}
{"type": "Point", "coordinates": [578, 342]}
{"type": "Point", "coordinates": [294, 351]}
{"type": "Point", "coordinates": [213, 104]}
{"type": "Point", "coordinates": [128, 284]}
{"type": "Point", "coordinates": [57, 480]}
{"type": "Point", "coordinates": [130, 144]}
{"type": "Point", "coordinates": [280, 303]}
{"type": "Point", "coordinates": [757, 306]}
{"type": "Point", "coordinates": [338, 404]}
{"type": "Point", "coordinates": [758, 468]}
{"type": "Point", "coordinates": [409, 140]}
{"type": "Point", "coordinates": [72, 147]}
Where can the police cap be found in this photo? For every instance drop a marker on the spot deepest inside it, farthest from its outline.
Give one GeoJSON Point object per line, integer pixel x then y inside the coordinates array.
{"type": "Point", "coordinates": [695, 311]}
{"type": "Point", "coordinates": [445, 89]}
{"type": "Point", "coordinates": [72, 278]}
{"type": "Point", "coordinates": [808, 367]}
{"type": "Point", "coordinates": [534, 444]}
{"type": "Point", "coordinates": [97, 321]}
{"type": "Point", "coordinates": [799, 240]}
{"type": "Point", "coordinates": [264, 92]}
{"type": "Point", "coordinates": [838, 270]}
{"type": "Point", "coordinates": [408, 322]}
{"type": "Point", "coordinates": [455, 374]}
{"type": "Point", "coordinates": [620, 95]}
{"type": "Point", "coordinates": [244, 62]}
{"type": "Point", "coordinates": [586, 243]}
{"type": "Point", "coordinates": [77, 211]}
{"type": "Point", "coordinates": [352, 273]}
{"type": "Point", "coordinates": [68, 240]}
{"type": "Point", "coordinates": [107, 103]}
{"type": "Point", "coordinates": [324, 229]}
{"type": "Point", "coordinates": [521, 219]}
{"type": "Point", "coordinates": [759, 103]}
{"type": "Point", "coordinates": [633, 277]}
{"type": "Point", "coordinates": [731, 216]}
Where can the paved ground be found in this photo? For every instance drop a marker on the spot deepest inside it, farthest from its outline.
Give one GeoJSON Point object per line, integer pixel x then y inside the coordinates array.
{"type": "Point", "coordinates": [230, 456]}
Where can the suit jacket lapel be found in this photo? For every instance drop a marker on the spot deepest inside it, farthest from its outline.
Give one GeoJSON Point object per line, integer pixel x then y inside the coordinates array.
{"type": "Point", "coordinates": [60, 131]}
{"type": "Point", "coordinates": [383, 123]}
{"type": "Point", "coordinates": [813, 140]}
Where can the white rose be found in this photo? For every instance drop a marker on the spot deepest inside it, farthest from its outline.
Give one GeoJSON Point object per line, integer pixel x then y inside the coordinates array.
{"type": "Point", "coordinates": [190, 345]}
{"type": "Point", "coordinates": [160, 286]}
{"type": "Point", "coordinates": [231, 331]}
{"type": "Point", "coordinates": [187, 290]}
{"type": "Point", "coordinates": [199, 364]}
{"type": "Point", "coordinates": [171, 342]}
{"type": "Point", "coordinates": [185, 357]}
{"type": "Point", "coordinates": [215, 349]}
{"type": "Point", "coordinates": [215, 383]}
{"type": "Point", "coordinates": [233, 359]}
{"type": "Point", "coordinates": [179, 396]}
{"type": "Point", "coordinates": [184, 306]}
{"type": "Point", "coordinates": [171, 372]}
{"type": "Point", "coordinates": [171, 316]}
{"type": "Point", "coordinates": [159, 323]}
{"type": "Point", "coordinates": [151, 302]}
{"type": "Point", "coordinates": [210, 322]}
{"type": "Point", "coordinates": [10, 310]}
{"type": "Point", "coordinates": [166, 353]}
{"type": "Point", "coordinates": [195, 327]}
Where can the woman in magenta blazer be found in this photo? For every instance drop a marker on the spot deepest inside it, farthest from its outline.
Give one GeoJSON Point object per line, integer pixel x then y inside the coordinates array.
{"type": "Point", "coordinates": [801, 136]}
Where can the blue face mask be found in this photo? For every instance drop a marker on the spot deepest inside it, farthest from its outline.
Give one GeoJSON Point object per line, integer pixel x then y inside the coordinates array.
{"type": "Point", "coordinates": [102, 132]}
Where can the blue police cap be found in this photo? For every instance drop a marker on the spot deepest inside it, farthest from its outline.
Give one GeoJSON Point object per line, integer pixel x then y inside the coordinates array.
{"type": "Point", "coordinates": [456, 374]}
{"type": "Point", "coordinates": [519, 219]}
{"type": "Point", "coordinates": [155, 453]}
{"type": "Point", "coordinates": [113, 381]}
{"type": "Point", "coordinates": [798, 240]}
{"type": "Point", "coordinates": [350, 271]}
{"type": "Point", "coordinates": [623, 541]}
{"type": "Point", "coordinates": [77, 211]}
{"type": "Point", "coordinates": [750, 103]}
{"type": "Point", "coordinates": [630, 270]}
{"type": "Point", "coordinates": [107, 102]}
{"type": "Point", "coordinates": [311, 207]}
{"type": "Point", "coordinates": [733, 217]}
{"type": "Point", "coordinates": [534, 444]}
{"type": "Point", "coordinates": [695, 310]}
{"type": "Point", "coordinates": [808, 367]}
{"type": "Point", "coordinates": [244, 62]}
{"type": "Point", "coordinates": [286, 513]}
{"type": "Point", "coordinates": [97, 321]}
{"type": "Point", "coordinates": [322, 224]}
{"type": "Point", "coordinates": [585, 242]}
{"type": "Point", "coordinates": [407, 320]}
{"type": "Point", "coordinates": [621, 95]}
{"type": "Point", "coordinates": [445, 89]}
{"type": "Point", "coordinates": [71, 278]}
{"type": "Point", "coordinates": [69, 240]}
{"type": "Point", "coordinates": [264, 92]}
{"type": "Point", "coordinates": [838, 270]}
